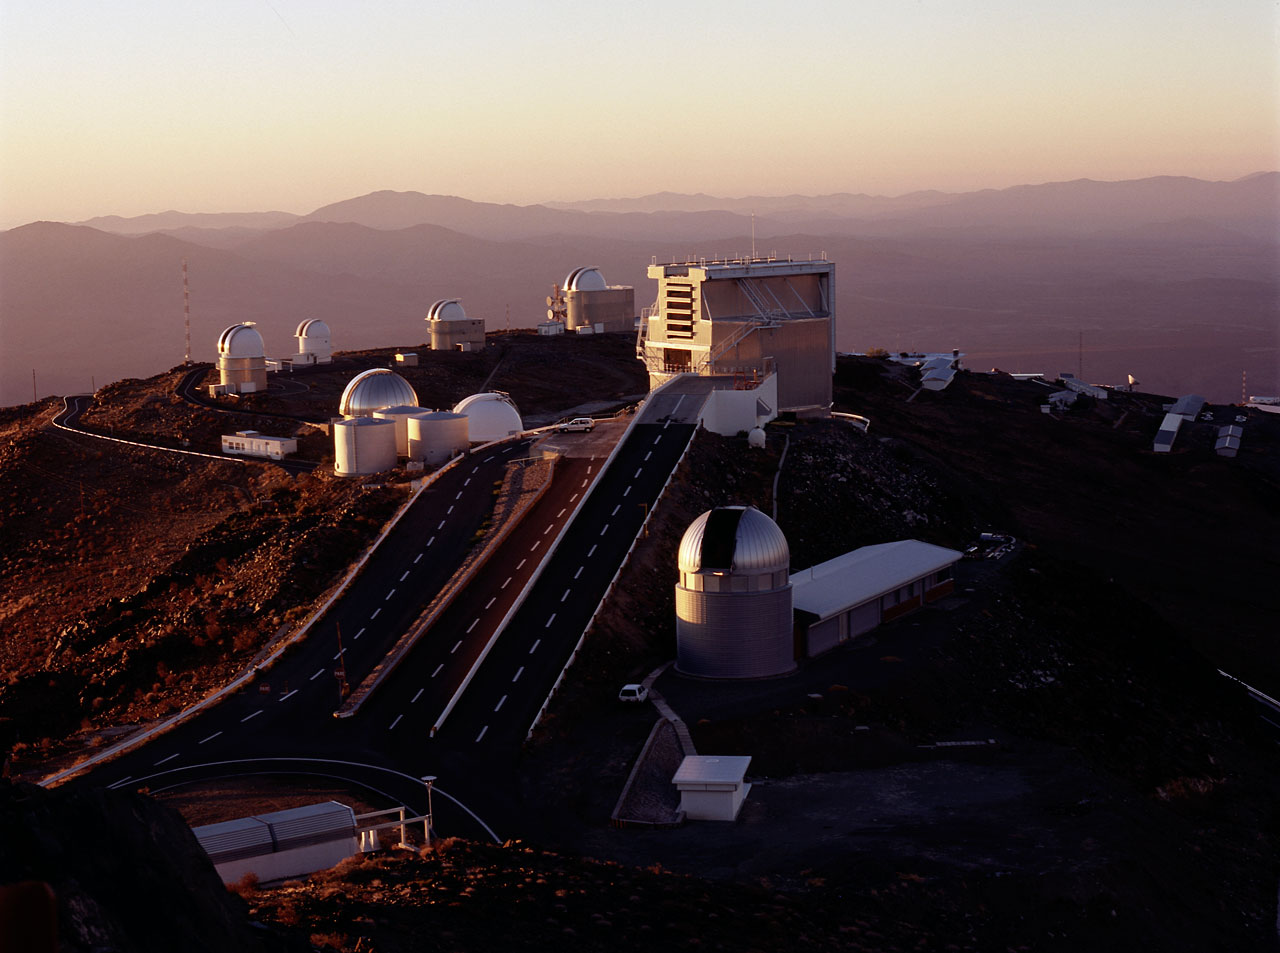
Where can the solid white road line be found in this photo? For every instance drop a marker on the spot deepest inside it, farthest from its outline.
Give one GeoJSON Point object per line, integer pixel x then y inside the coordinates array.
{"type": "Point", "coordinates": [473, 625]}
{"type": "Point", "coordinates": [519, 672]}
{"type": "Point", "coordinates": [170, 758]}
{"type": "Point", "coordinates": [456, 647]}
{"type": "Point", "coordinates": [437, 671]}
{"type": "Point", "coordinates": [579, 572]}
{"type": "Point", "coordinates": [375, 613]}
{"type": "Point", "coordinates": [285, 698]}
{"type": "Point", "coordinates": [396, 722]}
{"type": "Point", "coordinates": [591, 551]}
{"type": "Point", "coordinates": [481, 735]}
{"type": "Point", "coordinates": [492, 600]}
{"type": "Point", "coordinates": [500, 701]}
{"type": "Point", "coordinates": [404, 575]}
{"type": "Point", "coordinates": [211, 737]}
{"type": "Point", "coordinates": [121, 781]}
{"type": "Point", "coordinates": [507, 583]}
{"type": "Point", "coordinates": [417, 696]}
{"type": "Point", "coordinates": [316, 675]}
{"type": "Point", "coordinates": [387, 597]}
{"type": "Point", "coordinates": [254, 715]}
{"type": "Point", "coordinates": [533, 648]}
{"type": "Point", "coordinates": [549, 621]}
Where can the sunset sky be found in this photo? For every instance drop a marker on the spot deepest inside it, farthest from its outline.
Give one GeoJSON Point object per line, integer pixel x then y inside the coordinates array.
{"type": "Point", "coordinates": [248, 105]}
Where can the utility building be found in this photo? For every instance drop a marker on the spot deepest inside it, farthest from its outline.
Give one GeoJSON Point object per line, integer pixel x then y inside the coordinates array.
{"type": "Point", "coordinates": [451, 329]}
{"type": "Point", "coordinates": [592, 304]}
{"type": "Point", "coordinates": [748, 318]}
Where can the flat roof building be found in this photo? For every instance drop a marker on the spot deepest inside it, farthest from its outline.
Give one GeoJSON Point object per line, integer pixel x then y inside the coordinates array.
{"type": "Point", "coordinates": [746, 317]}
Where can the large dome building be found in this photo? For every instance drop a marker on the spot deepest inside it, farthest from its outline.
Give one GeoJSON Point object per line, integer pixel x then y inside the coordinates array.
{"type": "Point", "coordinates": [373, 390]}
{"type": "Point", "coordinates": [490, 416]}
{"type": "Point", "coordinates": [451, 329]}
{"type": "Point", "coordinates": [591, 304]}
{"type": "Point", "coordinates": [733, 600]}
{"type": "Point", "coordinates": [242, 362]}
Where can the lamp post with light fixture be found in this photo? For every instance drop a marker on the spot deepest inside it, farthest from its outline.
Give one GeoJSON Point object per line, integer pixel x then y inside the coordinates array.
{"type": "Point", "coordinates": [427, 828]}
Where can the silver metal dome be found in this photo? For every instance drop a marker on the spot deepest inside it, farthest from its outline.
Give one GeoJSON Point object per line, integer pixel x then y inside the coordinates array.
{"type": "Point", "coordinates": [240, 340]}
{"type": "Point", "coordinates": [733, 539]}
{"type": "Point", "coordinates": [312, 328]}
{"type": "Point", "coordinates": [375, 389]}
{"type": "Point", "coordinates": [585, 279]}
{"type": "Point", "coordinates": [447, 309]}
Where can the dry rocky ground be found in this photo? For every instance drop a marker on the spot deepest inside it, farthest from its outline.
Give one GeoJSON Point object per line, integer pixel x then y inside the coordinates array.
{"type": "Point", "coordinates": [1129, 802]}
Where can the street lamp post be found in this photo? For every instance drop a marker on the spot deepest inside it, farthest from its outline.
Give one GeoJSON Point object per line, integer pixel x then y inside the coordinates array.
{"type": "Point", "coordinates": [427, 828]}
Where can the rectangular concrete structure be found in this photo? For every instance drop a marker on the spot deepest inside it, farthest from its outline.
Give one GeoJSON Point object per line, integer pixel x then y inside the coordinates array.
{"type": "Point", "coordinates": [712, 787]}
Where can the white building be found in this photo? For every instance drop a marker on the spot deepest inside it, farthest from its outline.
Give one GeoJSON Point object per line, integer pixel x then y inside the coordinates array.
{"type": "Point", "coordinates": [591, 304]}
{"type": "Point", "coordinates": [313, 343]}
{"type": "Point", "coordinates": [242, 361]}
{"type": "Point", "coordinates": [712, 788]}
{"type": "Point", "coordinates": [281, 844]}
{"type": "Point", "coordinates": [450, 328]}
{"type": "Point", "coordinates": [250, 443]}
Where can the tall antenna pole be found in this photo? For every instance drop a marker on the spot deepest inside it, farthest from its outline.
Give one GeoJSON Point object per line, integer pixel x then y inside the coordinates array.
{"type": "Point", "coordinates": [1080, 357]}
{"type": "Point", "coordinates": [186, 309]}
{"type": "Point", "coordinates": [1244, 387]}
{"type": "Point", "coordinates": [753, 234]}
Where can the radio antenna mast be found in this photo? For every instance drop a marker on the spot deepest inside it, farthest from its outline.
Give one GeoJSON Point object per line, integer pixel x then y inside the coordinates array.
{"type": "Point", "coordinates": [186, 309]}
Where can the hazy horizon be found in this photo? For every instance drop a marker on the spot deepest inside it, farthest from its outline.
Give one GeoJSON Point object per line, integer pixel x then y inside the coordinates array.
{"type": "Point", "coordinates": [131, 110]}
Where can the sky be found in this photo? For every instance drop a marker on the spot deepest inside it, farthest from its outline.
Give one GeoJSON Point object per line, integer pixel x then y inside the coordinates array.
{"type": "Point", "coordinates": [133, 106]}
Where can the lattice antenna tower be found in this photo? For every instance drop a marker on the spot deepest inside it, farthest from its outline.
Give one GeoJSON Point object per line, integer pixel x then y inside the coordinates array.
{"type": "Point", "coordinates": [186, 309]}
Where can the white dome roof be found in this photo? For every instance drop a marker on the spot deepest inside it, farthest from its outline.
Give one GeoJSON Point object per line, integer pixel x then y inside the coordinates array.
{"type": "Point", "coordinates": [447, 309]}
{"type": "Point", "coordinates": [490, 416]}
{"type": "Point", "coordinates": [312, 328]}
{"type": "Point", "coordinates": [585, 279]}
{"type": "Point", "coordinates": [375, 389]}
{"type": "Point", "coordinates": [240, 340]}
{"type": "Point", "coordinates": [734, 539]}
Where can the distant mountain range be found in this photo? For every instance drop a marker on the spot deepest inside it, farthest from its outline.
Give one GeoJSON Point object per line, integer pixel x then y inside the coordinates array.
{"type": "Point", "coordinates": [1013, 275]}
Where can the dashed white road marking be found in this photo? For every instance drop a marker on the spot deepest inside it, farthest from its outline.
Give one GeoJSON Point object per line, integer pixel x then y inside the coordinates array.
{"type": "Point", "coordinates": [591, 550]}
{"type": "Point", "coordinates": [404, 575]}
{"type": "Point", "coordinates": [437, 671]}
{"type": "Point", "coordinates": [549, 621]}
{"type": "Point", "coordinates": [170, 758]}
{"type": "Point", "coordinates": [375, 613]}
{"type": "Point", "coordinates": [254, 715]}
{"type": "Point", "coordinates": [560, 514]}
{"type": "Point", "coordinates": [521, 563]}
{"type": "Point", "coordinates": [507, 583]}
{"type": "Point", "coordinates": [459, 496]}
{"type": "Point", "coordinates": [342, 651]}
{"type": "Point", "coordinates": [519, 672]}
{"type": "Point", "coordinates": [397, 721]}
{"type": "Point", "coordinates": [604, 529]}
{"type": "Point", "coordinates": [473, 625]}
{"type": "Point", "coordinates": [420, 555]}
{"type": "Point", "coordinates": [440, 526]}
{"type": "Point", "coordinates": [456, 647]}
{"type": "Point", "coordinates": [565, 596]}
{"type": "Point", "coordinates": [627, 490]}
{"type": "Point", "coordinates": [485, 460]}
{"type": "Point", "coordinates": [481, 735]}
{"type": "Point", "coordinates": [210, 738]}
{"type": "Point", "coordinates": [533, 648]}
{"type": "Point", "coordinates": [417, 696]}
{"type": "Point", "coordinates": [584, 482]}
{"type": "Point", "coordinates": [615, 509]}
{"type": "Point", "coordinates": [549, 525]}
{"type": "Point", "coordinates": [572, 498]}
{"type": "Point", "coordinates": [286, 697]}
{"type": "Point", "coordinates": [648, 455]}
{"type": "Point", "coordinates": [431, 540]}
{"type": "Point", "coordinates": [358, 634]}
{"type": "Point", "coordinates": [387, 597]}
{"type": "Point", "coordinates": [492, 600]}
{"type": "Point", "coordinates": [468, 480]}
{"type": "Point", "coordinates": [448, 511]}
{"type": "Point", "coordinates": [316, 675]}
{"type": "Point", "coordinates": [500, 701]}
{"type": "Point", "coordinates": [535, 545]}
{"type": "Point", "coordinates": [639, 470]}
{"type": "Point", "coordinates": [579, 572]}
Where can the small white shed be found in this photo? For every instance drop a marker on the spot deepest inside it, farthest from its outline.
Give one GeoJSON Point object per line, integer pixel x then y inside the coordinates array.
{"type": "Point", "coordinates": [712, 787]}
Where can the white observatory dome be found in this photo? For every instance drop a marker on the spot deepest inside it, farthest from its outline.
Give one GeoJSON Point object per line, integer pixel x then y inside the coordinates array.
{"type": "Point", "coordinates": [312, 328]}
{"type": "Point", "coordinates": [375, 389]}
{"type": "Point", "coordinates": [240, 340]}
{"type": "Point", "coordinates": [585, 279]}
{"type": "Point", "coordinates": [447, 309]}
{"type": "Point", "coordinates": [490, 416]}
{"type": "Point", "coordinates": [734, 539]}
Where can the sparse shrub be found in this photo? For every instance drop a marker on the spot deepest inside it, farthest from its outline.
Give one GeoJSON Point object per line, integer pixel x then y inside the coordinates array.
{"type": "Point", "coordinates": [245, 887]}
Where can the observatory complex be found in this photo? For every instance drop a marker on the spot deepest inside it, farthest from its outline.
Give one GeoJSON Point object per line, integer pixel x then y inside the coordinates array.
{"type": "Point", "coordinates": [592, 305]}
{"type": "Point", "coordinates": [450, 329]}
{"type": "Point", "coordinates": [746, 318]}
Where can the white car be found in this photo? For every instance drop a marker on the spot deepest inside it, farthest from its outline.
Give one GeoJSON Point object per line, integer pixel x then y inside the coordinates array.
{"type": "Point", "coordinates": [633, 693]}
{"type": "Point", "coordinates": [578, 425]}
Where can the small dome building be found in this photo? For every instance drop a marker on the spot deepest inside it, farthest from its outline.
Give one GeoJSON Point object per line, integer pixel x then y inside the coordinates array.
{"type": "Point", "coordinates": [450, 328]}
{"type": "Point", "coordinates": [733, 600]}
{"type": "Point", "coordinates": [376, 389]}
{"type": "Point", "coordinates": [313, 342]}
{"type": "Point", "coordinates": [591, 304]}
{"type": "Point", "coordinates": [242, 362]}
{"type": "Point", "coordinates": [490, 416]}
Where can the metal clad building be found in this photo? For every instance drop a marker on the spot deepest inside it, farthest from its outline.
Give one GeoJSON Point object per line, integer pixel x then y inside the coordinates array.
{"type": "Point", "coordinates": [451, 329]}
{"type": "Point", "coordinates": [242, 362]}
{"type": "Point", "coordinates": [590, 303]}
{"type": "Point", "coordinates": [733, 600]}
{"type": "Point", "coordinates": [281, 844]}
{"type": "Point", "coordinates": [749, 316]}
